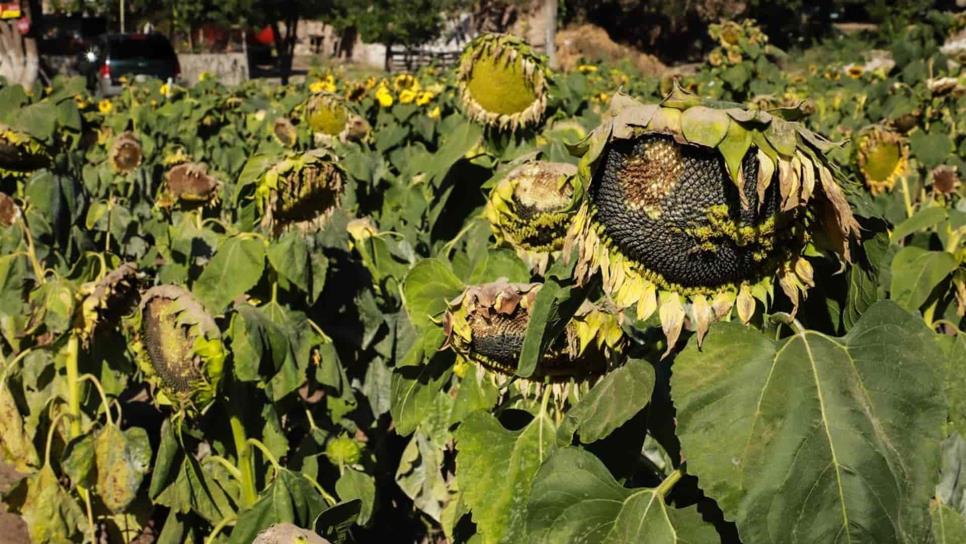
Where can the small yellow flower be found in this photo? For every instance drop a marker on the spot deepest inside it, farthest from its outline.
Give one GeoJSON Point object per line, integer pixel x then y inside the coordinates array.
{"type": "Point", "coordinates": [423, 98]}
{"type": "Point", "coordinates": [165, 90]}
{"type": "Point", "coordinates": [734, 55]}
{"type": "Point", "coordinates": [407, 96]}
{"type": "Point", "coordinates": [105, 106]}
{"type": "Point", "coordinates": [154, 103]}
{"type": "Point", "coordinates": [356, 93]}
{"type": "Point", "coordinates": [123, 80]}
{"type": "Point", "coordinates": [383, 96]}
{"type": "Point", "coordinates": [601, 98]}
{"type": "Point", "coordinates": [204, 76]}
{"type": "Point", "coordinates": [854, 71]}
{"type": "Point", "coordinates": [715, 58]}
{"type": "Point", "coordinates": [370, 82]}
{"type": "Point", "coordinates": [316, 87]}
{"type": "Point", "coordinates": [587, 68]}
{"type": "Point", "coordinates": [434, 113]}
{"type": "Point", "coordinates": [406, 82]}
{"type": "Point", "coordinates": [81, 101]}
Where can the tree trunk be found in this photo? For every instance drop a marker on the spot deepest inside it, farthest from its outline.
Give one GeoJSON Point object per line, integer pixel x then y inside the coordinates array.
{"type": "Point", "coordinates": [19, 61]}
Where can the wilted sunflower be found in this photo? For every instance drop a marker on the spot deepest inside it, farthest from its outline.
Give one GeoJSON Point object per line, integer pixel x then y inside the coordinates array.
{"type": "Point", "coordinates": [691, 210]}
{"type": "Point", "coordinates": [487, 324]}
{"type": "Point", "coordinates": [108, 299]}
{"type": "Point", "coordinates": [284, 132]}
{"type": "Point", "coordinates": [327, 114]}
{"type": "Point", "coordinates": [883, 157]}
{"type": "Point", "coordinates": [9, 211]}
{"type": "Point", "coordinates": [531, 208]}
{"type": "Point", "coordinates": [945, 181]}
{"type": "Point", "coordinates": [179, 347]}
{"type": "Point", "coordinates": [502, 82]}
{"type": "Point", "coordinates": [125, 154]}
{"type": "Point", "coordinates": [300, 192]}
{"type": "Point", "coordinates": [191, 184]}
{"type": "Point", "coordinates": [20, 154]}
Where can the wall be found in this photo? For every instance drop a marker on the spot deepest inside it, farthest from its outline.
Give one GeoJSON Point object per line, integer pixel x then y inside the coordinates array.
{"type": "Point", "coordinates": [229, 68]}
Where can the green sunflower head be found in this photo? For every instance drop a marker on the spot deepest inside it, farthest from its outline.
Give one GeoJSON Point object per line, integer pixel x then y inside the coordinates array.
{"type": "Point", "coordinates": [125, 154]}
{"type": "Point", "coordinates": [179, 347]}
{"type": "Point", "coordinates": [883, 157]}
{"type": "Point", "coordinates": [106, 300]}
{"type": "Point", "coordinates": [327, 114]}
{"type": "Point", "coordinates": [693, 208]}
{"type": "Point", "coordinates": [487, 324]}
{"type": "Point", "coordinates": [20, 153]}
{"type": "Point", "coordinates": [300, 191]}
{"type": "Point", "coordinates": [502, 82]}
{"type": "Point", "coordinates": [189, 183]}
{"type": "Point", "coordinates": [531, 208]}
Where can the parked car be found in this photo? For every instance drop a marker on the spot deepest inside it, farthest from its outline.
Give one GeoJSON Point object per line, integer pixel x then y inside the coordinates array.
{"type": "Point", "coordinates": [135, 56]}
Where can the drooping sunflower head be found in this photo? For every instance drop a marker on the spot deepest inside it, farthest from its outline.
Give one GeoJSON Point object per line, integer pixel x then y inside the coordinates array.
{"type": "Point", "coordinates": [9, 211]}
{"type": "Point", "coordinates": [531, 208]}
{"type": "Point", "coordinates": [190, 184]}
{"type": "Point", "coordinates": [502, 82]}
{"type": "Point", "coordinates": [300, 191]}
{"type": "Point", "coordinates": [487, 325]}
{"type": "Point", "coordinates": [20, 153]}
{"type": "Point", "coordinates": [327, 114]}
{"type": "Point", "coordinates": [108, 299]}
{"type": "Point", "coordinates": [883, 157]}
{"type": "Point", "coordinates": [179, 347]}
{"type": "Point", "coordinates": [284, 132]}
{"type": "Point", "coordinates": [692, 209]}
{"type": "Point", "coordinates": [125, 154]}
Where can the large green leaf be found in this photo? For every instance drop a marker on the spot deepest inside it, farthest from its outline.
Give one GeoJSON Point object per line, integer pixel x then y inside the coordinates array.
{"type": "Point", "coordinates": [416, 387]}
{"type": "Point", "coordinates": [948, 525]}
{"type": "Point", "coordinates": [495, 468]}
{"type": "Point", "coordinates": [235, 268]}
{"type": "Point", "coordinates": [354, 484]}
{"type": "Point", "coordinates": [122, 459]}
{"type": "Point", "coordinates": [616, 398]}
{"type": "Point", "coordinates": [420, 475]}
{"type": "Point", "coordinates": [51, 514]}
{"type": "Point", "coordinates": [916, 272]}
{"type": "Point", "coordinates": [575, 499]}
{"type": "Point", "coordinates": [815, 439]}
{"type": "Point", "coordinates": [427, 288]}
{"type": "Point", "coordinates": [290, 498]}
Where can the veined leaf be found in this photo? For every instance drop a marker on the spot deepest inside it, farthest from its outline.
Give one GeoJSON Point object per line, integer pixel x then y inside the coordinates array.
{"type": "Point", "coordinates": [916, 272]}
{"type": "Point", "coordinates": [616, 398]}
{"type": "Point", "coordinates": [816, 439]}
{"type": "Point", "coordinates": [236, 267]}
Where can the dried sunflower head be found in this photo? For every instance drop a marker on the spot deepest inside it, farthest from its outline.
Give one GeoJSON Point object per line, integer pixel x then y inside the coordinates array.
{"type": "Point", "coordinates": [125, 154]}
{"type": "Point", "coordinates": [502, 82]}
{"type": "Point", "coordinates": [945, 181]}
{"type": "Point", "coordinates": [300, 191]}
{"type": "Point", "coordinates": [108, 299]}
{"type": "Point", "coordinates": [531, 208]}
{"type": "Point", "coordinates": [284, 132]}
{"type": "Point", "coordinates": [20, 153]}
{"type": "Point", "coordinates": [487, 324]}
{"type": "Point", "coordinates": [883, 157]}
{"type": "Point", "coordinates": [191, 184]}
{"type": "Point", "coordinates": [691, 209]}
{"type": "Point", "coordinates": [9, 211]}
{"type": "Point", "coordinates": [179, 347]}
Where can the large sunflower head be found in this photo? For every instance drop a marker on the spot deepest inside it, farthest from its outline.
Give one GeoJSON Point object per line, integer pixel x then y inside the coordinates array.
{"type": "Point", "coordinates": [106, 300]}
{"type": "Point", "coordinates": [300, 191]}
{"type": "Point", "coordinates": [191, 184]}
{"type": "Point", "coordinates": [179, 347]}
{"type": "Point", "coordinates": [487, 324]}
{"type": "Point", "coordinates": [502, 82]}
{"type": "Point", "coordinates": [691, 209]}
{"type": "Point", "coordinates": [125, 154]}
{"type": "Point", "coordinates": [883, 157]}
{"type": "Point", "coordinates": [20, 153]}
{"type": "Point", "coordinates": [531, 208]}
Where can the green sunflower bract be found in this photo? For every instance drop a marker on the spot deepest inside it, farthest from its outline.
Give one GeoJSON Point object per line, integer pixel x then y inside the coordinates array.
{"type": "Point", "coordinates": [487, 325]}
{"type": "Point", "coordinates": [502, 82]}
{"type": "Point", "coordinates": [179, 347]}
{"type": "Point", "coordinates": [692, 209]}
{"type": "Point", "coordinates": [530, 209]}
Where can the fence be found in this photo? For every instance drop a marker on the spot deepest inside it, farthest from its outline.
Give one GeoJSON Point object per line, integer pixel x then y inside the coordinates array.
{"type": "Point", "coordinates": [409, 59]}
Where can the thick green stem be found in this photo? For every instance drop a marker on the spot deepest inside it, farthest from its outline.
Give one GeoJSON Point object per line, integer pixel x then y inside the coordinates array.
{"type": "Point", "coordinates": [669, 483]}
{"type": "Point", "coordinates": [244, 452]}
{"type": "Point", "coordinates": [73, 386]}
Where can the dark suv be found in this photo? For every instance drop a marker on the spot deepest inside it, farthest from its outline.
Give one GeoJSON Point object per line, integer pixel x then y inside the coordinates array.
{"type": "Point", "coordinates": [131, 55]}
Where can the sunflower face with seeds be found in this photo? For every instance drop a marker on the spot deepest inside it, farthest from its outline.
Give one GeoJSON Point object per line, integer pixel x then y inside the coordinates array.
{"type": "Point", "coordinates": [20, 154]}
{"type": "Point", "coordinates": [531, 208]}
{"type": "Point", "coordinates": [502, 82]}
{"type": "Point", "coordinates": [179, 347]}
{"type": "Point", "coordinates": [692, 210]}
{"type": "Point", "coordinates": [300, 192]}
{"type": "Point", "coordinates": [190, 183]}
{"type": "Point", "coordinates": [883, 158]}
{"type": "Point", "coordinates": [125, 154]}
{"type": "Point", "coordinates": [487, 325]}
{"type": "Point", "coordinates": [327, 114]}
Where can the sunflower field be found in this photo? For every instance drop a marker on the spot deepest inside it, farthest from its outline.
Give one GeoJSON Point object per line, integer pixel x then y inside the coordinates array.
{"type": "Point", "coordinates": [494, 303]}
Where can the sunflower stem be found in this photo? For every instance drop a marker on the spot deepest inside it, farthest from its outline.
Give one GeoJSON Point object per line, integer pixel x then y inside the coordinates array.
{"type": "Point", "coordinates": [665, 487]}
{"type": "Point", "coordinates": [100, 391]}
{"type": "Point", "coordinates": [906, 199]}
{"type": "Point", "coordinates": [73, 386]}
{"type": "Point", "coordinates": [244, 453]}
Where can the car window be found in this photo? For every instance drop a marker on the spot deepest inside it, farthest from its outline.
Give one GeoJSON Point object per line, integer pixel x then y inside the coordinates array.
{"type": "Point", "coordinates": [147, 47]}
